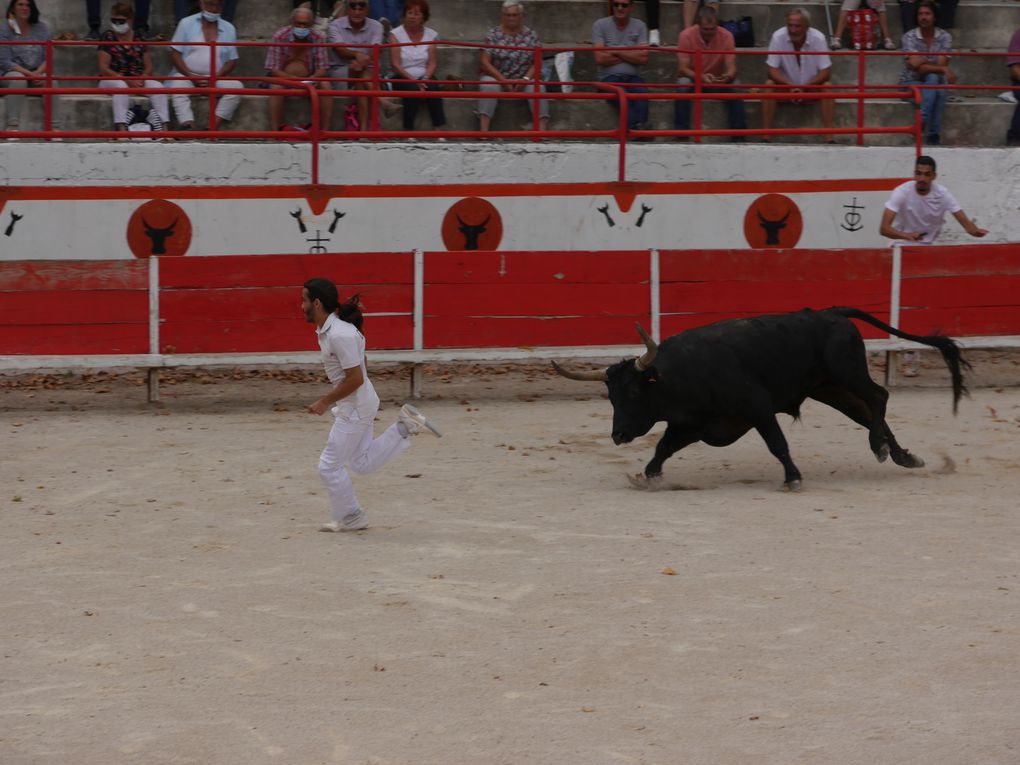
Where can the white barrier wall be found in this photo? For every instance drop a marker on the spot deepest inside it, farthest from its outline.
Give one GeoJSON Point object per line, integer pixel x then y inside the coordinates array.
{"type": "Point", "coordinates": [88, 201]}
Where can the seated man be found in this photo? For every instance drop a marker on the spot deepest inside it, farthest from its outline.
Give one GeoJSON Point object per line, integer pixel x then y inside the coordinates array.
{"type": "Point", "coordinates": [926, 63]}
{"type": "Point", "coordinates": [299, 52]}
{"type": "Point", "coordinates": [351, 38]}
{"type": "Point", "coordinates": [718, 67]}
{"type": "Point", "coordinates": [194, 62]}
{"type": "Point", "coordinates": [619, 31]}
{"type": "Point", "coordinates": [798, 73]}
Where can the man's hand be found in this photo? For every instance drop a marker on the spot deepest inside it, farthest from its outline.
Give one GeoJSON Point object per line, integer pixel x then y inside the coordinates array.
{"type": "Point", "coordinates": [319, 407]}
{"type": "Point", "coordinates": [950, 76]}
{"type": "Point", "coordinates": [913, 236]}
{"type": "Point", "coordinates": [978, 232]}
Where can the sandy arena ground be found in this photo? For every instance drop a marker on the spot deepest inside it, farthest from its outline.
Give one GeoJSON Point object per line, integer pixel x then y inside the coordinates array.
{"type": "Point", "coordinates": [168, 599]}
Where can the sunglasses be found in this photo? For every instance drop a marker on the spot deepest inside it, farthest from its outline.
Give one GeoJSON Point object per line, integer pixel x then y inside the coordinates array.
{"type": "Point", "coordinates": [621, 5]}
{"type": "Point", "coordinates": [357, 5]}
{"type": "Point", "coordinates": [117, 21]}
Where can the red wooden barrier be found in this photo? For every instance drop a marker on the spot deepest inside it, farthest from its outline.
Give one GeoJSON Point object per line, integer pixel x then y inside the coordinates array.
{"type": "Point", "coordinates": [80, 307]}
{"type": "Point", "coordinates": [961, 291]}
{"type": "Point", "coordinates": [702, 286]}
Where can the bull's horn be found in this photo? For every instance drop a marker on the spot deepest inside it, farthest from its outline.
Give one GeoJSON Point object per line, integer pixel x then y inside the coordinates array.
{"type": "Point", "coordinates": [593, 375]}
{"type": "Point", "coordinates": [648, 358]}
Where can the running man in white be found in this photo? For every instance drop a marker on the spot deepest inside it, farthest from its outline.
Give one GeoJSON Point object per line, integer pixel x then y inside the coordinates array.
{"type": "Point", "coordinates": [917, 209]}
{"type": "Point", "coordinates": [354, 404]}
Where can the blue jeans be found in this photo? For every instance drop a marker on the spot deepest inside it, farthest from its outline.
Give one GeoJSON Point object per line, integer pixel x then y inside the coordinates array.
{"type": "Point", "coordinates": [682, 115]}
{"type": "Point", "coordinates": [933, 104]}
{"type": "Point", "coordinates": [637, 112]}
{"type": "Point", "coordinates": [390, 9]}
{"type": "Point", "coordinates": [1013, 134]}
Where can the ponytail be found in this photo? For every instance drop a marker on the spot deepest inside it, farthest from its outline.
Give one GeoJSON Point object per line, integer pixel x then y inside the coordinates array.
{"type": "Point", "coordinates": [325, 292]}
{"type": "Point", "coordinates": [350, 311]}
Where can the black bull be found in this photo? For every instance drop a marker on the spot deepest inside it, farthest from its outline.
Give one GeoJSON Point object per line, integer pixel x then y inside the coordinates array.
{"type": "Point", "coordinates": [715, 383]}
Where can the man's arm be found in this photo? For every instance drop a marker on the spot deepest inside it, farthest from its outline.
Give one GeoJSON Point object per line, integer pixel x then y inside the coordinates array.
{"type": "Point", "coordinates": [604, 57]}
{"type": "Point", "coordinates": [887, 230]}
{"type": "Point", "coordinates": [968, 225]}
{"type": "Point", "coordinates": [353, 379]}
{"type": "Point", "coordinates": [821, 78]}
{"type": "Point", "coordinates": [777, 76]}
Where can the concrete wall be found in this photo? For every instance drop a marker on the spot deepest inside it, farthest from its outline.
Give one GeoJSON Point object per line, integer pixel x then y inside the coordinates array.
{"type": "Point", "coordinates": [82, 201]}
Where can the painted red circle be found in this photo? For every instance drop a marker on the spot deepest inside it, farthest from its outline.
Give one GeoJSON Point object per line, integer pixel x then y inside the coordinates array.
{"type": "Point", "coordinates": [773, 220]}
{"type": "Point", "coordinates": [472, 224]}
{"type": "Point", "coordinates": [160, 228]}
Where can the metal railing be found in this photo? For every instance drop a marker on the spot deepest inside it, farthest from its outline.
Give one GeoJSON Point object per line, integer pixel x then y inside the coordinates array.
{"type": "Point", "coordinates": [377, 87]}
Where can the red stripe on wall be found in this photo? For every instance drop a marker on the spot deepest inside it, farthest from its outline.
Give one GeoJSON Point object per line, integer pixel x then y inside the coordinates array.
{"type": "Point", "coordinates": [482, 267]}
{"type": "Point", "coordinates": [78, 339]}
{"type": "Point", "coordinates": [505, 332]}
{"type": "Point", "coordinates": [60, 275]}
{"type": "Point", "coordinates": [276, 270]}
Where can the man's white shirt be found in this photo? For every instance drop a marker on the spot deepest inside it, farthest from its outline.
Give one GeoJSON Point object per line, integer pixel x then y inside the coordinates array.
{"type": "Point", "coordinates": [803, 70]}
{"type": "Point", "coordinates": [343, 347]}
{"type": "Point", "coordinates": [926, 213]}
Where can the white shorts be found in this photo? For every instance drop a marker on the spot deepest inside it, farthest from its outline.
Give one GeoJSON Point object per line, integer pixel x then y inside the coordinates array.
{"type": "Point", "coordinates": [878, 6]}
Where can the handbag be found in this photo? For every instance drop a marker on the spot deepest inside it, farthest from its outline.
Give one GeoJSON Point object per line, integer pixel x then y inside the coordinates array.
{"type": "Point", "coordinates": [742, 30]}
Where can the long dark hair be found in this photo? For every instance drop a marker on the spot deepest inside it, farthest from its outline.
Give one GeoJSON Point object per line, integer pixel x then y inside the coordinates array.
{"type": "Point", "coordinates": [33, 14]}
{"type": "Point", "coordinates": [325, 292]}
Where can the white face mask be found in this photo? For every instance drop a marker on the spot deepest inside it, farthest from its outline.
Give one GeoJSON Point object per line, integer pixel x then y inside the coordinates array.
{"type": "Point", "coordinates": [301, 32]}
{"type": "Point", "coordinates": [210, 17]}
{"type": "Point", "coordinates": [121, 29]}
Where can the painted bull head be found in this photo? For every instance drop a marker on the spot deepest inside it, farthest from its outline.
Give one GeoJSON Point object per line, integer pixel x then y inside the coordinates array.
{"type": "Point", "coordinates": [629, 383]}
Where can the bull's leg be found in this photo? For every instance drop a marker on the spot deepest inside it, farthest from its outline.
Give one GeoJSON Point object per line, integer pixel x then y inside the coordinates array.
{"type": "Point", "coordinates": [768, 428]}
{"type": "Point", "coordinates": [842, 400]}
{"type": "Point", "coordinates": [672, 441]}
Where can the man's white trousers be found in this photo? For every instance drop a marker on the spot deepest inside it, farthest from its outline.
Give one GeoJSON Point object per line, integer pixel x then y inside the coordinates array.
{"type": "Point", "coordinates": [351, 445]}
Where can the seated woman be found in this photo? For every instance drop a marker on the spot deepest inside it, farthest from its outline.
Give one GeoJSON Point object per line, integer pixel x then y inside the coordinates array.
{"type": "Point", "coordinates": [927, 63]}
{"type": "Point", "coordinates": [121, 55]}
{"type": "Point", "coordinates": [415, 62]}
{"type": "Point", "coordinates": [23, 66]}
{"type": "Point", "coordinates": [510, 70]}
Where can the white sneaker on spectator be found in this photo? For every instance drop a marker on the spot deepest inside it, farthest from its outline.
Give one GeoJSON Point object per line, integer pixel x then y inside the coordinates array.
{"type": "Point", "coordinates": [910, 363]}
{"type": "Point", "coordinates": [653, 38]}
{"type": "Point", "coordinates": [834, 43]}
{"type": "Point", "coordinates": [1007, 96]}
{"type": "Point", "coordinates": [415, 422]}
{"type": "Point", "coordinates": [889, 44]}
{"type": "Point", "coordinates": [356, 521]}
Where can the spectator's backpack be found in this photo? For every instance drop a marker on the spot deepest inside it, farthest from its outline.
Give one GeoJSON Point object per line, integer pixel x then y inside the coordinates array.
{"type": "Point", "coordinates": [742, 31]}
{"type": "Point", "coordinates": [140, 119]}
{"type": "Point", "coordinates": [862, 28]}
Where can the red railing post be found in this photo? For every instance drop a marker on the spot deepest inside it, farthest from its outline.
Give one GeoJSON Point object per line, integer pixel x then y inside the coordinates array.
{"type": "Point", "coordinates": [213, 70]}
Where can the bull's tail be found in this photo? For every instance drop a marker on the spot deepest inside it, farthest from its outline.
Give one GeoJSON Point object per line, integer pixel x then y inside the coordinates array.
{"type": "Point", "coordinates": [947, 346]}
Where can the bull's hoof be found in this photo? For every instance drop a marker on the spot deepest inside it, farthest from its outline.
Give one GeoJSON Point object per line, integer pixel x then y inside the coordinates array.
{"type": "Point", "coordinates": [792, 485]}
{"type": "Point", "coordinates": [912, 461]}
{"type": "Point", "coordinates": [883, 453]}
{"type": "Point", "coordinates": [645, 482]}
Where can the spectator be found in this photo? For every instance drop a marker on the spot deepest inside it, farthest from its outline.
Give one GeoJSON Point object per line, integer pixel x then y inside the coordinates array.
{"type": "Point", "coordinates": [1013, 62]}
{"type": "Point", "coordinates": [926, 63]}
{"type": "Point", "coordinates": [718, 67]}
{"type": "Point", "coordinates": [652, 17]}
{"type": "Point", "coordinates": [415, 62]}
{"type": "Point", "coordinates": [141, 19]}
{"type": "Point", "coordinates": [299, 52]}
{"type": "Point", "coordinates": [797, 73]}
{"type": "Point", "coordinates": [24, 66]}
{"type": "Point", "coordinates": [619, 30]}
{"type": "Point", "coordinates": [844, 16]}
{"type": "Point", "coordinates": [386, 12]}
{"type": "Point", "coordinates": [351, 38]}
{"type": "Point", "coordinates": [691, 10]}
{"type": "Point", "coordinates": [122, 56]}
{"type": "Point", "coordinates": [509, 70]}
{"type": "Point", "coordinates": [194, 62]}
{"type": "Point", "coordinates": [185, 8]}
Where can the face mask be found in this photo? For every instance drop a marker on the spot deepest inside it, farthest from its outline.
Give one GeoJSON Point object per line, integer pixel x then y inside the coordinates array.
{"type": "Point", "coordinates": [301, 32]}
{"type": "Point", "coordinates": [210, 16]}
{"type": "Point", "coordinates": [121, 29]}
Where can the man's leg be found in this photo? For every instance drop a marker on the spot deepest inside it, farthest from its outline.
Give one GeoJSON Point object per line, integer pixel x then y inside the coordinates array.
{"type": "Point", "coordinates": [93, 17]}
{"type": "Point", "coordinates": [346, 439]}
{"type": "Point", "coordinates": [738, 116]}
{"type": "Point", "coordinates": [682, 108]}
{"type": "Point", "coordinates": [828, 107]}
{"type": "Point", "coordinates": [768, 110]}
{"type": "Point", "coordinates": [181, 102]}
{"type": "Point", "coordinates": [142, 16]}
{"type": "Point", "coordinates": [1013, 134]}
{"type": "Point", "coordinates": [275, 109]}
{"type": "Point", "coordinates": [227, 105]}
{"type": "Point", "coordinates": [487, 106]}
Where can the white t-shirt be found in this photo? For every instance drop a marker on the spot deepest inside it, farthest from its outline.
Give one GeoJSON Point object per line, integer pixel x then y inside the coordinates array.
{"type": "Point", "coordinates": [343, 347]}
{"type": "Point", "coordinates": [799, 69]}
{"type": "Point", "coordinates": [921, 213]}
{"type": "Point", "coordinates": [414, 58]}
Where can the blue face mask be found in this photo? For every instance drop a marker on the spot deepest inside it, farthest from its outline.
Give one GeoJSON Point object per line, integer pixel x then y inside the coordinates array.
{"type": "Point", "coordinates": [301, 32]}
{"type": "Point", "coordinates": [210, 17]}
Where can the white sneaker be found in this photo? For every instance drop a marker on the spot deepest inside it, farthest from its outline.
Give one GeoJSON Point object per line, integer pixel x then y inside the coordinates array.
{"type": "Point", "coordinates": [1006, 95]}
{"type": "Point", "coordinates": [416, 422]}
{"type": "Point", "coordinates": [653, 38]}
{"type": "Point", "coordinates": [889, 44]}
{"type": "Point", "coordinates": [835, 43]}
{"type": "Point", "coordinates": [356, 521]}
{"type": "Point", "coordinates": [910, 363]}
